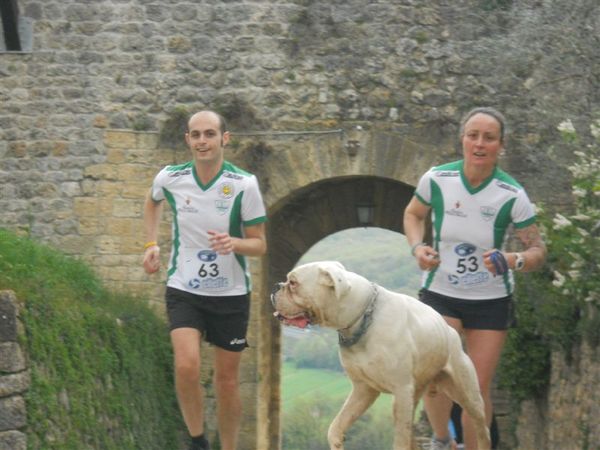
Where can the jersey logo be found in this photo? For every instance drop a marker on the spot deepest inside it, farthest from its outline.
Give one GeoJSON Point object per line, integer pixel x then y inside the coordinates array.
{"type": "Point", "coordinates": [180, 173]}
{"type": "Point", "coordinates": [207, 255]}
{"type": "Point", "coordinates": [232, 175]}
{"type": "Point", "coordinates": [226, 190]}
{"type": "Point", "coordinates": [464, 249]}
{"type": "Point", "coordinates": [508, 187]}
{"type": "Point", "coordinates": [222, 206]}
{"type": "Point", "coordinates": [487, 212]}
{"type": "Point", "coordinates": [187, 208]}
{"type": "Point", "coordinates": [456, 210]}
{"type": "Point", "coordinates": [447, 173]}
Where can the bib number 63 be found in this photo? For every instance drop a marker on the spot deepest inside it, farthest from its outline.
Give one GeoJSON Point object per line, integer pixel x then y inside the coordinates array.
{"type": "Point", "coordinates": [208, 270]}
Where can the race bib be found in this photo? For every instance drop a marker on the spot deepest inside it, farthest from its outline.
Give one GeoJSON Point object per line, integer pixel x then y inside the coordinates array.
{"type": "Point", "coordinates": [464, 266]}
{"type": "Point", "coordinates": [206, 270]}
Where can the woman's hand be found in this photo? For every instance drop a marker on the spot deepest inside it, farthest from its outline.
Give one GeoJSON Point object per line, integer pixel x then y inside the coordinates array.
{"type": "Point", "coordinates": [427, 257]}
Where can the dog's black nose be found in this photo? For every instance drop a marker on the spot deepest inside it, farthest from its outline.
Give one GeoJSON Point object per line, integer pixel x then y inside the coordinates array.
{"type": "Point", "coordinates": [276, 288]}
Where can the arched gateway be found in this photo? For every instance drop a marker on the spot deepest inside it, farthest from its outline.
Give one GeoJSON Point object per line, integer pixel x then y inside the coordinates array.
{"type": "Point", "coordinates": [316, 184]}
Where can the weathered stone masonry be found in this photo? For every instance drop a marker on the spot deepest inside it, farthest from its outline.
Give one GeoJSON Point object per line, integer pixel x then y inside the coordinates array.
{"type": "Point", "coordinates": [14, 376]}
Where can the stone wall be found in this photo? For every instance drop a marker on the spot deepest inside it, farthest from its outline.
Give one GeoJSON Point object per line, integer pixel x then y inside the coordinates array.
{"type": "Point", "coordinates": [283, 64]}
{"type": "Point", "coordinates": [14, 376]}
{"type": "Point", "coordinates": [567, 419]}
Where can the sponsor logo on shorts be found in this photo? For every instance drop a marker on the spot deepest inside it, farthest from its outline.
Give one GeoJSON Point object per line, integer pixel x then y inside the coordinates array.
{"type": "Point", "coordinates": [237, 341]}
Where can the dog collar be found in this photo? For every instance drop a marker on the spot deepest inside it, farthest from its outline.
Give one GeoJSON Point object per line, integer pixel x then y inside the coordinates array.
{"type": "Point", "coordinates": [365, 320]}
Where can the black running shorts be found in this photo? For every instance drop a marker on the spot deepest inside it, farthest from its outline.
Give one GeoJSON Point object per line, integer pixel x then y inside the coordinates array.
{"type": "Point", "coordinates": [494, 314]}
{"type": "Point", "coordinates": [223, 321]}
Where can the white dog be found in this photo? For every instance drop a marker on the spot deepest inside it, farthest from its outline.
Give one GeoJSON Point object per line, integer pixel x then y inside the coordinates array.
{"type": "Point", "coordinates": [389, 342]}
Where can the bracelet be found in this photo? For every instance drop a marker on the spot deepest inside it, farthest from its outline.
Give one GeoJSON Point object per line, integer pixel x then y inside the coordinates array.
{"type": "Point", "coordinates": [415, 247]}
{"type": "Point", "coordinates": [147, 245]}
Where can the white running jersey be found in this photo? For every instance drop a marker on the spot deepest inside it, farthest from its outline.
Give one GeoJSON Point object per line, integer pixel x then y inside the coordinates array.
{"type": "Point", "coordinates": [231, 201]}
{"type": "Point", "coordinates": [467, 222]}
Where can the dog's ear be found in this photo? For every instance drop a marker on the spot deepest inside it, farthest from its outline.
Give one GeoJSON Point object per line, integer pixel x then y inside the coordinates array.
{"type": "Point", "coordinates": [334, 276]}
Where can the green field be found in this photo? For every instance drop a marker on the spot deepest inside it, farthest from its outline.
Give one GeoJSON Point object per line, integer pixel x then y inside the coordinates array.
{"type": "Point", "coordinates": [302, 384]}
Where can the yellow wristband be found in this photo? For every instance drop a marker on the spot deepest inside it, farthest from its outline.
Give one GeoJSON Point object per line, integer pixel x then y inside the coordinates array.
{"type": "Point", "coordinates": [147, 245]}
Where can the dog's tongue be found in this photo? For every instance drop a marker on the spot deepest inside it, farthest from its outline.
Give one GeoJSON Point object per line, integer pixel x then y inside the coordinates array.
{"type": "Point", "coordinates": [298, 321]}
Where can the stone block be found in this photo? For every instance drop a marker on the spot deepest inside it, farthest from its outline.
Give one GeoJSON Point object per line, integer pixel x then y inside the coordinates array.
{"type": "Point", "coordinates": [120, 139]}
{"type": "Point", "coordinates": [13, 440]}
{"type": "Point", "coordinates": [102, 172]}
{"type": "Point", "coordinates": [145, 142]}
{"type": "Point", "coordinates": [130, 172]}
{"type": "Point", "coordinates": [8, 317]}
{"type": "Point", "coordinates": [14, 414]}
{"type": "Point", "coordinates": [109, 245]}
{"type": "Point", "coordinates": [16, 383]}
{"type": "Point", "coordinates": [92, 207]}
{"type": "Point", "coordinates": [89, 226]}
{"type": "Point", "coordinates": [120, 226]}
{"type": "Point", "coordinates": [127, 208]}
{"type": "Point", "coordinates": [115, 155]}
{"type": "Point", "coordinates": [135, 191]}
{"type": "Point", "coordinates": [11, 358]}
{"type": "Point", "coordinates": [100, 121]}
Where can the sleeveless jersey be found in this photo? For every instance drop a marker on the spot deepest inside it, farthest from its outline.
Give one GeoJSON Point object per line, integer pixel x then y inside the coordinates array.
{"type": "Point", "coordinates": [467, 222]}
{"type": "Point", "coordinates": [229, 202]}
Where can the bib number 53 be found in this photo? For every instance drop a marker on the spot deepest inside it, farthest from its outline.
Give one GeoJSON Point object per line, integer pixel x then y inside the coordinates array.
{"type": "Point", "coordinates": [469, 264]}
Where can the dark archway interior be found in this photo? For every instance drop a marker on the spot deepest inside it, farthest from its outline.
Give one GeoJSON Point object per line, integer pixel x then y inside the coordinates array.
{"type": "Point", "coordinates": [327, 207]}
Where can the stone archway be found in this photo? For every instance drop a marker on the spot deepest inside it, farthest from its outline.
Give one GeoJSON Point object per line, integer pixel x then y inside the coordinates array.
{"type": "Point", "coordinates": [313, 186]}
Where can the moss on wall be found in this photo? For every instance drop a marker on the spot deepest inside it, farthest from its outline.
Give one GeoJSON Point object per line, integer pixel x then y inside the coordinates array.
{"type": "Point", "coordinates": [100, 362]}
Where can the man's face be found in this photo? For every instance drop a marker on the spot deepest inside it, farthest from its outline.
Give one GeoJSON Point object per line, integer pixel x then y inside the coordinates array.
{"type": "Point", "coordinates": [205, 139]}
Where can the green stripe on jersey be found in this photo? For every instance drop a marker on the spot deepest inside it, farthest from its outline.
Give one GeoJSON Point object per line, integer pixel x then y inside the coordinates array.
{"type": "Point", "coordinates": [176, 241]}
{"type": "Point", "coordinates": [235, 230]}
{"type": "Point", "coordinates": [437, 205]}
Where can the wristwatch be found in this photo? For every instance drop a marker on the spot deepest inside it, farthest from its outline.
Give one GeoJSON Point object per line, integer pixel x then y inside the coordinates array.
{"type": "Point", "coordinates": [519, 262]}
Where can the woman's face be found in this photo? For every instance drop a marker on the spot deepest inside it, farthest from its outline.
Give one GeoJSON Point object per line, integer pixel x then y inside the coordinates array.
{"type": "Point", "coordinates": [481, 141]}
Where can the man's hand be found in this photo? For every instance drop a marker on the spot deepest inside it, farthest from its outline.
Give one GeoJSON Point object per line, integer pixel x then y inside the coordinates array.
{"type": "Point", "coordinates": [152, 259]}
{"type": "Point", "coordinates": [221, 243]}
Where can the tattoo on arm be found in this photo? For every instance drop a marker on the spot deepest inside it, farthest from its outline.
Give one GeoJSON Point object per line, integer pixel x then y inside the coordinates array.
{"type": "Point", "coordinates": [531, 237]}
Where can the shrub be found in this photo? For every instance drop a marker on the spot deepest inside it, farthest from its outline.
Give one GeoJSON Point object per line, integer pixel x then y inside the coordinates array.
{"type": "Point", "coordinates": [558, 307]}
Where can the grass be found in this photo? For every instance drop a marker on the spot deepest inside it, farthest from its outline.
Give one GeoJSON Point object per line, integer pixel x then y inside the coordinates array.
{"type": "Point", "coordinates": [100, 361]}
{"type": "Point", "coordinates": [298, 385]}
